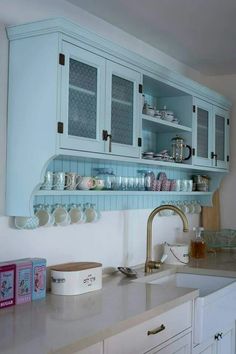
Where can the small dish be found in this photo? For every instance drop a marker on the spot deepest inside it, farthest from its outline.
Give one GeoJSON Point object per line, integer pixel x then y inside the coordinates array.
{"type": "Point", "coordinates": [148, 153]}
{"type": "Point", "coordinates": [148, 157]}
{"type": "Point", "coordinates": [169, 118]}
{"type": "Point", "coordinates": [151, 112]}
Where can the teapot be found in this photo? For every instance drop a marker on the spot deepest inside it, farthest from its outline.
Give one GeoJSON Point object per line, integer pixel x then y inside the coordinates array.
{"type": "Point", "coordinates": [178, 146]}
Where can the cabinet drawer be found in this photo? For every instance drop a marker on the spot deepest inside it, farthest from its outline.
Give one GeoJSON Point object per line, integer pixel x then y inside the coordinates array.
{"type": "Point", "coordinates": [138, 339]}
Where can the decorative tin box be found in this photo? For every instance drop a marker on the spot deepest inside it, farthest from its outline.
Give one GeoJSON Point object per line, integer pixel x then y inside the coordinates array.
{"type": "Point", "coordinates": [23, 281]}
{"type": "Point", "coordinates": [38, 278]}
{"type": "Point", "coordinates": [7, 282]}
{"type": "Point", "coordinates": [76, 278]}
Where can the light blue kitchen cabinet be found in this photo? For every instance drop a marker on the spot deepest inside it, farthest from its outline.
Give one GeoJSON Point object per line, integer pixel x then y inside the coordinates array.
{"type": "Point", "coordinates": [100, 104]}
{"type": "Point", "coordinates": [74, 103]}
{"type": "Point", "coordinates": [210, 135]}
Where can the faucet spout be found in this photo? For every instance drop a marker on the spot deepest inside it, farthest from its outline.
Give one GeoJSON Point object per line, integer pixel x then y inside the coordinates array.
{"type": "Point", "coordinates": [150, 264]}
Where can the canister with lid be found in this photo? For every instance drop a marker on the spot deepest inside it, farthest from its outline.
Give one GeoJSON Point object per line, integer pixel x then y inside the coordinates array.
{"type": "Point", "coordinates": [76, 278]}
{"type": "Point", "coordinates": [107, 175]}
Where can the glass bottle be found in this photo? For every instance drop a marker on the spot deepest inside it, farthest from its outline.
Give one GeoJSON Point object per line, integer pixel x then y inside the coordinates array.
{"type": "Point", "coordinates": [149, 178]}
{"type": "Point", "coordinates": [198, 245]}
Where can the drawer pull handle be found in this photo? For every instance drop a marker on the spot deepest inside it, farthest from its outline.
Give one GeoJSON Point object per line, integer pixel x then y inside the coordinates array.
{"type": "Point", "coordinates": [156, 330]}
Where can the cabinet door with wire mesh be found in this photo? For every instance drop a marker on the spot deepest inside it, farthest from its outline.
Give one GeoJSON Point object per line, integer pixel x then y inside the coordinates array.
{"type": "Point", "coordinates": [202, 133]}
{"type": "Point", "coordinates": [83, 96]}
{"type": "Point", "coordinates": [122, 110]}
{"type": "Point", "coordinates": [221, 137]}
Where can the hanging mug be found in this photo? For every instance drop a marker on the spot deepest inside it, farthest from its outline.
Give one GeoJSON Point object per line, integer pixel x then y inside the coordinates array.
{"type": "Point", "coordinates": [91, 213]}
{"type": "Point", "coordinates": [43, 212]}
{"type": "Point", "coordinates": [61, 216]}
{"type": "Point", "coordinates": [76, 214]}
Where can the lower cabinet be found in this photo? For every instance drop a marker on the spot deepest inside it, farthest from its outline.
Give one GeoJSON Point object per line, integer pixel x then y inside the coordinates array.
{"type": "Point", "coordinates": [226, 343]}
{"type": "Point", "coordinates": [223, 342]}
{"type": "Point", "coordinates": [182, 345]}
{"type": "Point", "coordinates": [157, 335]}
{"type": "Point", "coordinates": [93, 349]}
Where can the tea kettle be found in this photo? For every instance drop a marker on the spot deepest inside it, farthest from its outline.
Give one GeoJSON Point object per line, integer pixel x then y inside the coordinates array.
{"type": "Point", "coordinates": [178, 146]}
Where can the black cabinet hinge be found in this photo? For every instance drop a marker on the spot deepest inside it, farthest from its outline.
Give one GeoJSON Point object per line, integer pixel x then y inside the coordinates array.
{"type": "Point", "coordinates": [62, 59]}
{"type": "Point", "coordinates": [60, 127]}
{"type": "Point", "coordinates": [228, 121]}
{"type": "Point", "coordinates": [193, 151]}
{"type": "Point", "coordinates": [140, 142]}
{"type": "Point", "coordinates": [194, 108]}
{"type": "Point", "coordinates": [140, 88]}
{"type": "Point", "coordinates": [227, 158]}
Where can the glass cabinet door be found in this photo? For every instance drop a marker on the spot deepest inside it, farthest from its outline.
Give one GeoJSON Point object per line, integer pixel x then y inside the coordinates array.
{"type": "Point", "coordinates": [122, 110]}
{"type": "Point", "coordinates": [202, 128]}
{"type": "Point", "coordinates": [221, 137]}
{"type": "Point", "coordinates": [83, 94]}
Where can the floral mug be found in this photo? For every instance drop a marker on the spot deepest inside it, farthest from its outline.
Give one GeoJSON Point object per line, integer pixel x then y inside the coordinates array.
{"type": "Point", "coordinates": [87, 183]}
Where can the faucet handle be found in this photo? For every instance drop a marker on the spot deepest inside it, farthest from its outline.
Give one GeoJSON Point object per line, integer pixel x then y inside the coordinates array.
{"type": "Point", "coordinates": [163, 258]}
{"type": "Point", "coordinates": [153, 265]}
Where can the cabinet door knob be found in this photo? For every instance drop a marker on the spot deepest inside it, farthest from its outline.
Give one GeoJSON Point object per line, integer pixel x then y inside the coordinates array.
{"type": "Point", "coordinates": [218, 336]}
{"type": "Point", "coordinates": [214, 156]}
{"type": "Point", "coordinates": [156, 330]}
{"type": "Point", "coordinates": [106, 136]}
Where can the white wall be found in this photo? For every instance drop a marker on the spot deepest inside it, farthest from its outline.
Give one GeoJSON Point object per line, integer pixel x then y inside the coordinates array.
{"type": "Point", "coordinates": [120, 236]}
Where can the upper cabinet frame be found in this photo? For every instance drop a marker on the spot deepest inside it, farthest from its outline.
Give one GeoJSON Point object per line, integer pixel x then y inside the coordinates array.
{"type": "Point", "coordinates": [39, 95]}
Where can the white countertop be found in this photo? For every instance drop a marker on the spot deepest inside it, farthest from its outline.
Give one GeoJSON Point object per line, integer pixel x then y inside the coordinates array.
{"type": "Point", "coordinates": [66, 324]}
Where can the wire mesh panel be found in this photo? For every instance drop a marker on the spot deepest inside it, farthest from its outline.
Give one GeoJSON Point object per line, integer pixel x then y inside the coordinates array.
{"type": "Point", "coordinates": [220, 137]}
{"type": "Point", "coordinates": [122, 110]}
{"type": "Point", "coordinates": [202, 132]}
{"type": "Point", "coordinates": [82, 117]}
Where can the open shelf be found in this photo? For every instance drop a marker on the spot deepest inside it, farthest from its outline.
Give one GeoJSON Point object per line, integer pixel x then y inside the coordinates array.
{"type": "Point", "coordinates": [113, 192]}
{"type": "Point", "coordinates": [158, 125]}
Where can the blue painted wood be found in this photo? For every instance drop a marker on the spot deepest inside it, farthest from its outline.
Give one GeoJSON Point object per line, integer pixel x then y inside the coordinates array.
{"type": "Point", "coordinates": [32, 117]}
{"type": "Point", "coordinates": [182, 106]}
{"type": "Point", "coordinates": [118, 200]}
{"type": "Point", "coordinates": [34, 111]}
{"type": "Point", "coordinates": [162, 126]}
{"type": "Point", "coordinates": [72, 31]}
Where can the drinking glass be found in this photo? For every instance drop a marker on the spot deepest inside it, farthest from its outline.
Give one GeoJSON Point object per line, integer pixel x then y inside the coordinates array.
{"type": "Point", "coordinates": [124, 183]}
{"type": "Point", "coordinates": [130, 183]}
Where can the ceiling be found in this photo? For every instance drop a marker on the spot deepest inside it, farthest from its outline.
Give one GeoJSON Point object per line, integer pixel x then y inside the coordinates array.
{"type": "Point", "coordinates": [199, 33]}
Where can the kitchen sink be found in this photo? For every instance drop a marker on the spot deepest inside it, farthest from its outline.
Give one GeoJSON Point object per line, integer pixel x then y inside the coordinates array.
{"type": "Point", "coordinates": [207, 284]}
{"type": "Point", "coordinates": [215, 307]}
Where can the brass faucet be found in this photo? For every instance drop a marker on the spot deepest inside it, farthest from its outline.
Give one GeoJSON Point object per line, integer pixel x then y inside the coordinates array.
{"type": "Point", "coordinates": [150, 264]}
